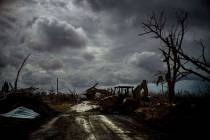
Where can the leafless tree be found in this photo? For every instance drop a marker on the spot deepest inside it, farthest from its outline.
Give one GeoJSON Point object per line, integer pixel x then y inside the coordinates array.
{"type": "Point", "coordinates": [19, 70]}
{"type": "Point", "coordinates": [201, 66]}
{"type": "Point", "coordinates": [172, 39]}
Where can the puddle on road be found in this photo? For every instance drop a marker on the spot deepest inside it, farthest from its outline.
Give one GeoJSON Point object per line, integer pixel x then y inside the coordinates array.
{"type": "Point", "coordinates": [117, 130]}
{"type": "Point", "coordinates": [94, 126]}
{"type": "Point", "coordinates": [86, 126]}
{"type": "Point", "coordinates": [114, 128]}
{"type": "Point", "coordinates": [83, 107]}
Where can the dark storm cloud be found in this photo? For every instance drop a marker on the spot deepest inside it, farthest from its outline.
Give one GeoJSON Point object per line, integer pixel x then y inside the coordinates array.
{"type": "Point", "coordinates": [51, 34]}
{"type": "Point", "coordinates": [80, 80]}
{"type": "Point", "coordinates": [51, 64]}
{"type": "Point", "coordinates": [32, 78]}
{"type": "Point", "coordinates": [10, 52]}
{"type": "Point", "coordinates": [10, 58]}
{"type": "Point", "coordinates": [59, 4]}
{"type": "Point", "coordinates": [7, 24]}
{"type": "Point", "coordinates": [3, 63]}
{"type": "Point", "coordinates": [199, 9]}
{"type": "Point", "coordinates": [88, 56]}
{"type": "Point", "coordinates": [88, 41]}
{"type": "Point", "coordinates": [150, 61]}
{"type": "Point", "coordinates": [128, 7]}
{"type": "Point", "coordinates": [129, 14]}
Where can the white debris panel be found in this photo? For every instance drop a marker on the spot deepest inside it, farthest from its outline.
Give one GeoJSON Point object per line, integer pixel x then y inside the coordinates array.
{"type": "Point", "coordinates": [21, 112]}
{"type": "Point", "coordinates": [84, 106]}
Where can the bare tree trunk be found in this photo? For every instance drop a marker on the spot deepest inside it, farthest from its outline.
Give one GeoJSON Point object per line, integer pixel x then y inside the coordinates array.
{"type": "Point", "coordinates": [19, 70]}
{"type": "Point", "coordinates": [144, 86]}
{"type": "Point", "coordinates": [171, 90]}
{"type": "Point", "coordinates": [162, 88]}
{"type": "Point", "coordinates": [11, 86]}
{"type": "Point", "coordinates": [172, 38]}
{"type": "Point", "coordinates": [57, 85]}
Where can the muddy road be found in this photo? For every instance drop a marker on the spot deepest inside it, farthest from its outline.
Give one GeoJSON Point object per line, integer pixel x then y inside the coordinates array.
{"type": "Point", "coordinates": [84, 122]}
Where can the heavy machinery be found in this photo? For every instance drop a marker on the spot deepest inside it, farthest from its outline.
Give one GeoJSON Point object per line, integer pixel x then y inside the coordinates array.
{"type": "Point", "coordinates": [124, 102]}
{"type": "Point", "coordinates": [122, 98]}
{"type": "Point", "coordinates": [114, 102]}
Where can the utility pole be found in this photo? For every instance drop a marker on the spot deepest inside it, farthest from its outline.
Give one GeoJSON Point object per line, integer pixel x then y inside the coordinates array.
{"type": "Point", "coordinates": [57, 85]}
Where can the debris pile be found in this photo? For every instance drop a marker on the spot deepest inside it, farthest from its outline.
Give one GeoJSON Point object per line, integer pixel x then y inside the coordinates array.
{"type": "Point", "coordinates": [21, 112]}
{"type": "Point", "coordinates": [121, 98]}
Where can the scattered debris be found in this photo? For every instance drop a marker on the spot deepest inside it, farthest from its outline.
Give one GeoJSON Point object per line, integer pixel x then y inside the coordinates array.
{"type": "Point", "coordinates": [92, 92]}
{"type": "Point", "coordinates": [83, 107]}
{"type": "Point", "coordinates": [21, 112]}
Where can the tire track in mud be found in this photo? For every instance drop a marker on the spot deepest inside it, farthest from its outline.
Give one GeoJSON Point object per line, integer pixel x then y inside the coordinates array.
{"type": "Point", "coordinates": [87, 125]}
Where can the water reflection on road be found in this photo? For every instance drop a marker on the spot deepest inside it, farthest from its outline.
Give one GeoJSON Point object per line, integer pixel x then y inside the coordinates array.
{"type": "Point", "coordinates": [80, 124]}
{"type": "Point", "coordinates": [83, 107]}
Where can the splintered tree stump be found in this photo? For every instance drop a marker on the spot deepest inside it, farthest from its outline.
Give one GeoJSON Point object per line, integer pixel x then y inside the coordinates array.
{"type": "Point", "coordinates": [145, 88]}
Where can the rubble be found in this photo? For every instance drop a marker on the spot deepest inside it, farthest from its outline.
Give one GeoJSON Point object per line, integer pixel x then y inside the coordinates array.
{"type": "Point", "coordinates": [22, 113]}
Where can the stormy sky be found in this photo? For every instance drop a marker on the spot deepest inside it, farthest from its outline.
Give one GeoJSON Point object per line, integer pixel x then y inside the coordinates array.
{"type": "Point", "coordinates": [88, 41]}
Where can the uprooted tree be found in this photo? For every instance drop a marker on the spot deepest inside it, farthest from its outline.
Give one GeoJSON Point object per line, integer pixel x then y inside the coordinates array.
{"type": "Point", "coordinates": [171, 37]}
{"type": "Point", "coordinates": [19, 70]}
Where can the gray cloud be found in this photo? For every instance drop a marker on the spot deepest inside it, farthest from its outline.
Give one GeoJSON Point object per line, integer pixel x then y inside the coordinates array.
{"type": "Point", "coordinates": [36, 79]}
{"type": "Point", "coordinates": [88, 56]}
{"type": "Point", "coordinates": [136, 11]}
{"type": "Point", "coordinates": [147, 60]}
{"type": "Point", "coordinates": [10, 58]}
{"type": "Point", "coordinates": [88, 41]}
{"type": "Point", "coordinates": [51, 64]}
{"type": "Point", "coordinates": [50, 34]}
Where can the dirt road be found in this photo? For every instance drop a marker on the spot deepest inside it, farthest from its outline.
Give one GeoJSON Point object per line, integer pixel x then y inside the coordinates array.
{"type": "Point", "coordinates": [82, 123]}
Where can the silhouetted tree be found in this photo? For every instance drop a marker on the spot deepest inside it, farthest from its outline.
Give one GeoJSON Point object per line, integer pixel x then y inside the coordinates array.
{"type": "Point", "coordinates": [57, 86]}
{"type": "Point", "coordinates": [172, 39]}
{"type": "Point", "coordinates": [160, 81]}
{"type": "Point", "coordinates": [11, 86]}
{"type": "Point", "coordinates": [202, 67]}
{"type": "Point", "coordinates": [5, 87]}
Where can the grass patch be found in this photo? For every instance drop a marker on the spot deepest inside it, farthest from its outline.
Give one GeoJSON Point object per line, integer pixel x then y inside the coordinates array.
{"type": "Point", "coordinates": [61, 107]}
